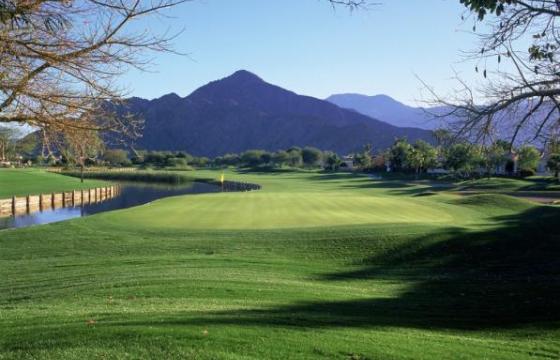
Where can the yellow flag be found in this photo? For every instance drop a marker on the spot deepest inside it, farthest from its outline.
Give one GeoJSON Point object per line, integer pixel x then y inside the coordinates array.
{"type": "Point", "coordinates": [222, 178]}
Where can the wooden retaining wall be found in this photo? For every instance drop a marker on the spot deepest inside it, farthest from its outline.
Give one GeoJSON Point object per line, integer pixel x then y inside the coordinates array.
{"type": "Point", "coordinates": [19, 205]}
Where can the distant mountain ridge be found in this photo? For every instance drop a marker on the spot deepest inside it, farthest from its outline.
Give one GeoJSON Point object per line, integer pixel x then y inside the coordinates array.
{"type": "Point", "coordinates": [387, 109]}
{"type": "Point", "coordinates": [242, 112]}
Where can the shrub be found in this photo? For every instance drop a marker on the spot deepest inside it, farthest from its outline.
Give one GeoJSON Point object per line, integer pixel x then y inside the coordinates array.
{"type": "Point", "coordinates": [526, 172]}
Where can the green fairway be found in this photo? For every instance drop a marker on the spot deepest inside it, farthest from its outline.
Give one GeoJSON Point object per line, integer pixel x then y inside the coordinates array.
{"type": "Point", "coordinates": [21, 182]}
{"type": "Point", "coordinates": [331, 266]}
{"type": "Point", "coordinates": [534, 183]}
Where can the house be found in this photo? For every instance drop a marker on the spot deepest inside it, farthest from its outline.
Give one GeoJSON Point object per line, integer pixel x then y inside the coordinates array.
{"type": "Point", "coordinates": [348, 162]}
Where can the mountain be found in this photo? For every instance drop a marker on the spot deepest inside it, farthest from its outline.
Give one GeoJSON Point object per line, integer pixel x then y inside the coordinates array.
{"type": "Point", "coordinates": [387, 109]}
{"type": "Point", "coordinates": [395, 113]}
{"type": "Point", "coordinates": [242, 112]}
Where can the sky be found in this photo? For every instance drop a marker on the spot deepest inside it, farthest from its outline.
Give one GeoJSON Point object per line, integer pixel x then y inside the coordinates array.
{"type": "Point", "coordinates": [309, 47]}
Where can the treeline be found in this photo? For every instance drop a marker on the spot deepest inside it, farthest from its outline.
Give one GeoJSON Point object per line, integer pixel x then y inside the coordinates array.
{"type": "Point", "coordinates": [461, 158]}
{"type": "Point", "coordinates": [296, 157]}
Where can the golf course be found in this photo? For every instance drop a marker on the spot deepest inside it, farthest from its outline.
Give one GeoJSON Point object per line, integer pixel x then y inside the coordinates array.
{"type": "Point", "coordinates": [313, 265]}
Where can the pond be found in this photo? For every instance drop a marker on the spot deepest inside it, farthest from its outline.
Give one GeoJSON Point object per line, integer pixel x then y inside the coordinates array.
{"type": "Point", "coordinates": [129, 195]}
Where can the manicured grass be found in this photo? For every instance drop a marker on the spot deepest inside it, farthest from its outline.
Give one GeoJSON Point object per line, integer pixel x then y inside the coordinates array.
{"type": "Point", "coordinates": [332, 266]}
{"type": "Point", "coordinates": [509, 184]}
{"type": "Point", "coordinates": [21, 182]}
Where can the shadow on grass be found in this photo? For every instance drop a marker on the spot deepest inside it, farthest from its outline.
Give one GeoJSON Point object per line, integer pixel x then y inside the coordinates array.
{"type": "Point", "coordinates": [501, 278]}
{"type": "Point", "coordinates": [398, 187]}
{"type": "Point", "coordinates": [335, 176]}
{"type": "Point", "coordinates": [263, 170]}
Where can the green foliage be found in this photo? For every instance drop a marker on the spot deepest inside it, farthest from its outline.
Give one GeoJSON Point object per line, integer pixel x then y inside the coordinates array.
{"type": "Point", "coordinates": [281, 158]}
{"type": "Point", "coordinates": [295, 157]}
{"type": "Point", "coordinates": [177, 162]}
{"type": "Point", "coordinates": [529, 158]}
{"type": "Point", "coordinates": [8, 141]}
{"type": "Point", "coordinates": [553, 164]}
{"type": "Point", "coordinates": [116, 157]}
{"type": "Point", "coordinates": [252, 158]}
{"type": "Point", "coordinates": [363, 159]}
{"type": "Point", "coordinates": [399, 155]}
{"type": "Point", "coordinates": [227, 160]}
{"type": "Point", "coordinates": [463, 158]}
{"type": "Point", "coordinates": [332, 161]}
{"type": "Point", "coordinates": [483, 7]}
{"type": "Point", "coordinates": [495, 156]}
{"type": "Point", "coordinates": [422, 156]}
{"type": "Point", "coordinates": [311, 156]}
{"type": "Point", "coordinates": [200, 162]}
{"type": "Point", "coordinates": [162, 159]}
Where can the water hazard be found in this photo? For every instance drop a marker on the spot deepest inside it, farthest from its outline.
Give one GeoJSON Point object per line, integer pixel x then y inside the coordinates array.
{"type": "Point", "coordinates": [129, 195]}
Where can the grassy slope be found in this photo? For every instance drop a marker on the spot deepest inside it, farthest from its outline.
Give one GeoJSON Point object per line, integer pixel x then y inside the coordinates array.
{"type": "Point", "coordinates": [534, 183]}
{"type": "Point", "coordinates": [313, 266]}
{"type": "Point", "coordinates": [21, 182]}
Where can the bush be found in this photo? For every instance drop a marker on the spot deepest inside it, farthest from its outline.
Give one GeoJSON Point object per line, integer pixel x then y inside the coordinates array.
{"type": "Point", "coordinates": [177, 162]}
{"type": "Point", "coordinates": [116, 157]}
{"type": "Point", "coordinates": [526, 172]}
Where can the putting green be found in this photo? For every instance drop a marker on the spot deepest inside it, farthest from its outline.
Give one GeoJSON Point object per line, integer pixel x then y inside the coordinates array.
{"type": "Point", "coordinates": [273, 210]}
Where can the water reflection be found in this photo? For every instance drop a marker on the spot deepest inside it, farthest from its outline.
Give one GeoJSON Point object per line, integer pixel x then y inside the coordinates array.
{"type": "Point", "coordinates": [130, 194]}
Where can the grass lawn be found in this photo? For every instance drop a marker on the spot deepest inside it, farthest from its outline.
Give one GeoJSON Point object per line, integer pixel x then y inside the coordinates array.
{"type": "Point", "coordinates": [333, 266]}
{"type": "Point", "coordinates": [21, 182]}
{"type": "Point", "coordinates": [534, 183]}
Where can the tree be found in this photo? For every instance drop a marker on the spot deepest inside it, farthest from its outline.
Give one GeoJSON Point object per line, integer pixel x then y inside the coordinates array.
{"type": "Point", "coordinates": [252, 158]}
{"type": "Point", "coordinates": [231, 159]}
{"type": "Point", "coordinates": [495, 156]}
{"type": "Point", "coordinates": [311, 156]}
{"type": "Point", "coordinates": [463, 158]}
{"type": "Point", "coordinates": [421, 157]}
{"type": "Point", "coordinates": [443, 137]}
{"type": "Point", "coordinates": [59, 61]}
{"type": "Point", "coordinates": [8, 139]}
{"type": "Point", "coordinates": [177, 162]}
{"type": "Point", "coordinates": [525, 99]}
{"type": "Point", "coordinates": [332, 161]}
{"type": "Point", "coordinates": [553, 164]}
{"type": "Point", "coordinates": [81, 146]}
{"type": "Point", "coordinates": [399, 154]}
{"type": "Point", "coordinates": [528, 159]}
{"type": "Point", "coordinates": [200, 161]}
{"type": "Point", "coordinates": [295, 158]}
{"type": "Point", "coordinates": [266, 158]}
{"type": "Point", "coordinates": [363, 159]}
{"type": "Point", "coordinates": [116, 157]}
{"type": "Point", "coordinates": [280, 158]}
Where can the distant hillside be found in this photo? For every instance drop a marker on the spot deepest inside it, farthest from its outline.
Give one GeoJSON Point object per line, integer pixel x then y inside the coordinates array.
{"type": "Point", "coordinates": [387, 109]}
{"type": "Point", "coordinates": [242, 112]}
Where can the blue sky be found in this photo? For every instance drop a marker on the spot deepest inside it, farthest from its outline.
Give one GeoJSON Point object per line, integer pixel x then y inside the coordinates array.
{"type": "Point", "coordinates": [310, 48]}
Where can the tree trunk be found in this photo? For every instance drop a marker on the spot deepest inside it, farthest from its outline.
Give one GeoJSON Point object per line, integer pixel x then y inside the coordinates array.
{"type": "Point", "coordinates": [82, 173]}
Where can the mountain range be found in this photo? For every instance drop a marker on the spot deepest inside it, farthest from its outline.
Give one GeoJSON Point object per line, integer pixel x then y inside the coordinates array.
{"type": "Point", "coordinates": [242, 112]}
{"type": "Point", "coordinates": [389, 110]}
